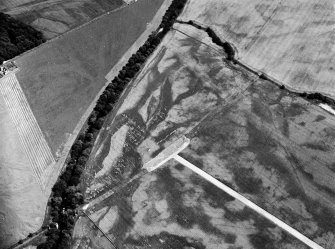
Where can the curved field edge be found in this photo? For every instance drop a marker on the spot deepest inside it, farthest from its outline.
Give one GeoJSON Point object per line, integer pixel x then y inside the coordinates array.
{"type": "Point", "coordinates": [66, 196]}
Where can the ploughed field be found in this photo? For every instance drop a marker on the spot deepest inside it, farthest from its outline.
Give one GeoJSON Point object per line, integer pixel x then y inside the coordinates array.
{"type": "Point", "coordinates": [55, 17]}
{"type": "Point", "coordinates": [271, 146]}
{"type": "Point", "coordinates": [289, 40]}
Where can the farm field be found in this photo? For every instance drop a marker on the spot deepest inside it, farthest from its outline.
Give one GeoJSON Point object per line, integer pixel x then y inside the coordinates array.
{"type": "Point", "coordinates": [21, 211]}
{"type": "Point", "coordinates": [44, 102]}
{"type": "Point", "coordinates": [61, 78]}
{"type": "Point", "coordinates": [289, 40]}
{"type": "Point", "coordinates": [266, 143]}
{"type": "Point", "coordinates": [55, 17]}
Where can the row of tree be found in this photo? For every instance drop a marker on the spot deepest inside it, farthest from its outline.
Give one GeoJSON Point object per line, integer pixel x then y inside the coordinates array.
{"type": "Point", "coordinates": [225, 45]}
{"type": "Point", "coordinates": [16, 37]}
{"type": "Point", "coordinates": [66, 196]}
{"type": "Point", "coordinates": [229, 50]}
{"type": "Point", "coordinates": [318, 97]}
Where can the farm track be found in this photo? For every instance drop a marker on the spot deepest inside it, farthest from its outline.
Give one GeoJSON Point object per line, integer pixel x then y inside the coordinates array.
{"type": "Point", "coordinates": [30, 134]}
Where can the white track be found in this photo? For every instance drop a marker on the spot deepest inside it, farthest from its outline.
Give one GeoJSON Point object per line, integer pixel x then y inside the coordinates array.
{"type": "Point", "coordinates": [248, 203]}
{"type": "Point", "coordinates": [31, 136]}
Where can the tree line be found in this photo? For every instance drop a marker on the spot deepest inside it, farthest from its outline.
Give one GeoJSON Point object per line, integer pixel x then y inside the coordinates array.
{"type": "Point", "coordinates": [66, 196]}
{"type": "Point", "coordinates": [225, 45]}
{"type": "Point", "coordinates": [16, 37]}
{"type": "Point", "coordinates": [228, 49]}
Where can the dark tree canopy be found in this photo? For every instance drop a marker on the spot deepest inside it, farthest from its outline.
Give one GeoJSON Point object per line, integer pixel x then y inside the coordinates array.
{"type": "Point", "coordinates": [16, 37]}
{"type": "Point", "coordinates": [66, 196]}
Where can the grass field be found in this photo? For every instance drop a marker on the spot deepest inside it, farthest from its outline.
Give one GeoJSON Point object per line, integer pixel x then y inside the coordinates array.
{"type": "Point", "coordinates": [54, 17]}
{"type": "Point", "coordinates": [61, 78]}
{"type": "Point", "coordinates": [268, 144]}
{"type": "Point", "coordinates": [289, 40]}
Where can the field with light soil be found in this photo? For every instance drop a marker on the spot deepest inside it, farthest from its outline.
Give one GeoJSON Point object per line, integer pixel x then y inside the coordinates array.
{"type": "Point", "coordinates": [289, 40]}
{"type": "Point", "coordinates": [55, 17]}
{"type": "Point", "coordinates": [266, 143]}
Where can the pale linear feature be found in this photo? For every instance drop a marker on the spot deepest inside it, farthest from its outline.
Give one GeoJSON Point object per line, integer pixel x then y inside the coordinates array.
{"type": "Point", "coordinates": [31, 137]}
{"type": "Point", "coordinates": [327, 108]}
{"type": "Point", "coordinates": [172, 151]}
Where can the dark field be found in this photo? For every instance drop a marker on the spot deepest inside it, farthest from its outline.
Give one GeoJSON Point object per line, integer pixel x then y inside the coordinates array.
{"type": "Point", "coordinates": [61, 78]}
